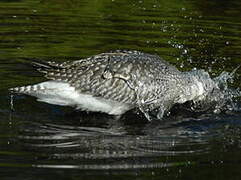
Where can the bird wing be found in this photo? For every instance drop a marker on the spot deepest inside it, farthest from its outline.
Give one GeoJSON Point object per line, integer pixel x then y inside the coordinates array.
{"type": "Point", "coordinates": [90, 76]}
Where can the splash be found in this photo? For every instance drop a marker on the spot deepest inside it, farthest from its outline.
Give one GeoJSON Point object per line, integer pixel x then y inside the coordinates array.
{"type": "Point", "coordinates": [216, 95]}
{"type": "Point", "coordinates": [221, 99]}
{"type": "Point", "coordinates": [11, 102]}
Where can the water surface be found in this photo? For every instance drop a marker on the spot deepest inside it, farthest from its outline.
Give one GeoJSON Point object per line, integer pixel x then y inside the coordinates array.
{"type": "Point", "coordinates": [43, 141]}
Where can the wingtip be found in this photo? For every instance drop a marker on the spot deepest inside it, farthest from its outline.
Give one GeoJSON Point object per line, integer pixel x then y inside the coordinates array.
{"type": "Point", "coordinates": [40, 64]}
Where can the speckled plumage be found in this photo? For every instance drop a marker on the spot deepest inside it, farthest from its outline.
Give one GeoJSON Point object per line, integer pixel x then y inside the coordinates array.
{"type": "Point", "coordinates": [115, 75]}
{"type": "Point", "coordinates": [130, 77]}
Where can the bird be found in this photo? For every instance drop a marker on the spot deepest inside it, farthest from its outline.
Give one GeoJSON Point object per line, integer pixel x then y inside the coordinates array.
{"type": "Point", "coordinates": [118, 81]}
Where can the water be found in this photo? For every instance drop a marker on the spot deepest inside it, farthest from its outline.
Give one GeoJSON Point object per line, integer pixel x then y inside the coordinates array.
{"type": "Point", "coordinates": [43, 141]}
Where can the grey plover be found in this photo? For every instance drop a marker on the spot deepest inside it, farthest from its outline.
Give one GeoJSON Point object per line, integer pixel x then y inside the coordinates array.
{"type": "Point", "coordinates": [118, 81]}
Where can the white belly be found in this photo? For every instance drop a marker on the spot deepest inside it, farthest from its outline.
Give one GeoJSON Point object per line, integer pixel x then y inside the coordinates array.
{"type": "Point", "coordinates": [59, 93]}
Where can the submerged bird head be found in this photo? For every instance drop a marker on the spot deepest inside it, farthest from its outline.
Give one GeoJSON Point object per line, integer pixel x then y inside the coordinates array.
{"type": "Point", "coordinates": [197, 87]}
{"type": "Point", "coordinates": [206, 84]}
{"type": "Point", "coordinates": [211, 93]}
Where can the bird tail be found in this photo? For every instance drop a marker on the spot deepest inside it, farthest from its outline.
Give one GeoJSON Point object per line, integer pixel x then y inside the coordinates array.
{"type": "Point", "coordinates": [25, 89]}
{"type": "Point", "coordinates": [42, 67]}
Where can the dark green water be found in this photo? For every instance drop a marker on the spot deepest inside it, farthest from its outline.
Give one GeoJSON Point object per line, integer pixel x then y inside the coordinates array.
{"type": "Point", "coordinates": [41, 141]}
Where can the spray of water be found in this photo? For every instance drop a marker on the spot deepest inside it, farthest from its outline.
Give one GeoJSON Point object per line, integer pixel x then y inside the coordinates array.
{"type": "Point", "coordinates": [217, 97]}
{"type": "Point", "coordinates": [11, 102]}
{"type": "Point", "coordinates": [221, 98]}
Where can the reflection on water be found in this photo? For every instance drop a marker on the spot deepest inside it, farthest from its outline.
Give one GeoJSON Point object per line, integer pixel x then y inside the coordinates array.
{"type": "Point", "coordinates": [113, 146]}
{"type": "Point", "coordinates": [40, 140]}
{"type": "Point", "coordinates": [98, 142]}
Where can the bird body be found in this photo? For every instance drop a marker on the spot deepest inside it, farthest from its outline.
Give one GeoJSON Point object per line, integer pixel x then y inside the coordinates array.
{"type": "Point", "coordinates": [116, 82]}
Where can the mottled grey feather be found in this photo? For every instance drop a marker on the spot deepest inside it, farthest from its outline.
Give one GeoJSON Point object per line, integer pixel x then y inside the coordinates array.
{"type": "Point", "coordinates": [119, 76]}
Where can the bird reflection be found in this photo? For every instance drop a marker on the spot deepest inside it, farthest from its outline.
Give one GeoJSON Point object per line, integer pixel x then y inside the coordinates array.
{"type": "Point", "coordinates": [122, 144]}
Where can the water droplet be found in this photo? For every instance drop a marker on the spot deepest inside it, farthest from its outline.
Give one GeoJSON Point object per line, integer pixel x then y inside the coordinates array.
{"type": "Point", "coordinates": [184, 51]}
{"type": "Point", "coordinates": [181, 65]}
{"type": "Point", "coordinates": [11, 102]}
